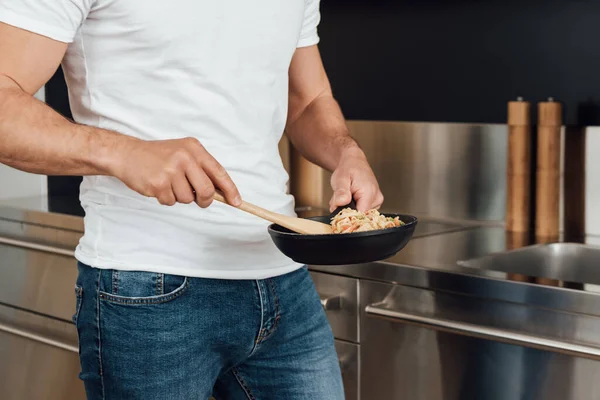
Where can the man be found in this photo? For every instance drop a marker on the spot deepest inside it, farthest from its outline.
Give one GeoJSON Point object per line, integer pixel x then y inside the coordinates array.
{"type": "Point", "coordinates": [179, 298]}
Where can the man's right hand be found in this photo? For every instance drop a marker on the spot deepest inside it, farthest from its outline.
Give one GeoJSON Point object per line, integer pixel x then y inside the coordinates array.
{"type": "Point", "coordinates": [173, 171]}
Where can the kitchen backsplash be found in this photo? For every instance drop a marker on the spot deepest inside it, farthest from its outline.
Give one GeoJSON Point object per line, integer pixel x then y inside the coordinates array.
{"type": "Point", "coordinates": [447, 171]}
{"type": "Point", "coordinates": [592, 181]}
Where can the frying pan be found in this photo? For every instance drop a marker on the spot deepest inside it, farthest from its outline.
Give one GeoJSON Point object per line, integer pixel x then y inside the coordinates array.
{"type": "Point", "coordinates": [345, 248]}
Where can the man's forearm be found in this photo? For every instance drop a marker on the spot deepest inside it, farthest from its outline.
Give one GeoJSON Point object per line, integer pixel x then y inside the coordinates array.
{"type": "Point", "coordinates": [320, 133]}
{"type": "Point", "coordinates": [34, 138]}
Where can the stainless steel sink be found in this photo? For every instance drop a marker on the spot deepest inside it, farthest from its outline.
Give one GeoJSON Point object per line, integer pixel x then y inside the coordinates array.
{"type": "Point", "coordinates": [567, 262]}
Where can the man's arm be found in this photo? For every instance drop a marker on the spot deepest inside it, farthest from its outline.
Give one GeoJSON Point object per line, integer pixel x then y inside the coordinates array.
{"type": "Point", "coordinates": [317, 129]}
{"type": "Point", "coordinates": [34, 138]}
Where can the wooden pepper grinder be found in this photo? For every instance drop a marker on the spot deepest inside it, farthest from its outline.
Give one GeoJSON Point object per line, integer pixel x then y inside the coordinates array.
{"type": "Point", "coordinates": [518, 179]}
{"type": "Point", "coordinates": [548, 175]}
{"type": "Point", "coordinates": [548, 171]}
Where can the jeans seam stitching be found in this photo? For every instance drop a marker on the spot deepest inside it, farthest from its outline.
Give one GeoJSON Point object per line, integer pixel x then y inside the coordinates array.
{"type": "Point", "coordinates": [159, 284]}
{"type": "Point", "coordinates": [115, 281]}
{"type": "Point", "coordinates": [99, 336]}
{"type": "Point", "coordinates": [261, 328]}
{"type": "Point", "coordinates": [243, 384]}
{"type": "Point", "coordinates": [79, 300]}
{"type": "Point", "coordinates": [145, 301]}
{"type": "Point", "coordinates": [271, 330]}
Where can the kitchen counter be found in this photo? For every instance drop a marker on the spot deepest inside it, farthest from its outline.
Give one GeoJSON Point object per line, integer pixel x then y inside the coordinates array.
{"type": "Point", "coordinates": [407, 317]}
{"type": "Point", "coordinates": [433, 252]}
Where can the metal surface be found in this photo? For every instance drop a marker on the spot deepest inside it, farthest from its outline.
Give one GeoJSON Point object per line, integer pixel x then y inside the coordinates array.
{"type": "Point", "coordinates": [343, 319]}
{"type": "Point", "coordinates": [569, 262]}
{"type": "Point", "coordinates": [348, 354]}
{"type": "Point", "coordinates": [38, 358]}
{"type": "Point", "coordinates": [34, 210]}
{"type": "Point", "coordinates": [331, 303]}
{"type": "Point", "coordinates": [484, 332]}
{"type": "Point", "coordinates": [38, 281]}
{"type": "Point", "coordinates": [37, 247]}
{"type": "Point", "coordinates": [453, 171]}
{"type": "Point", "coordinates": [39, 338]}
{"type": "Point", "coordinates": [30, 232]}
{"type": "Point", "coordinates": [405, 360]}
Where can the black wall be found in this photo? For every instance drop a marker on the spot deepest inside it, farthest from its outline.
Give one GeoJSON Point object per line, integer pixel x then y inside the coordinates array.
{"type": "Point", "coordinates": [63, 191]}
{"type": "Point", "coordinates": [461, 60]}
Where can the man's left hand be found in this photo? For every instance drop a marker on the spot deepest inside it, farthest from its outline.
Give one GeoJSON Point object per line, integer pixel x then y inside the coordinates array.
{"type": "Point", "coordinates": [354, 179]}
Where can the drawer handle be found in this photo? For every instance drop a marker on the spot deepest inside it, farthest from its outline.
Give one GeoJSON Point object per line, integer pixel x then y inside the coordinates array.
{"type": "Point", "coordinates": [344, 363]}
{"type": "Point", "coordinates": [331, 303]}
{"type": "Point", "coordinates": [38, 338]}
{"type": "Point", "coordinates": [484, 332]}
{"type": "Point", "coordinates": [38, 247]}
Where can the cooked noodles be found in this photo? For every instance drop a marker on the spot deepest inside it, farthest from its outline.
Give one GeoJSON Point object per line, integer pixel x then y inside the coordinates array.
{"type": "Point", "coordinates": [349, 220]}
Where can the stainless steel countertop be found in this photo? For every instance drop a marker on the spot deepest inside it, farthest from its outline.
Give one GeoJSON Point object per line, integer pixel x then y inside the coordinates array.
{"type": "Point", "coordinates": [436, 247]}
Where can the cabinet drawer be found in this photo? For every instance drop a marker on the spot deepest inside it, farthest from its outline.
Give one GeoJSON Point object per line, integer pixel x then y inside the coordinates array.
{"type": "Point", "coordinates": [38, 281]}
{"type": "Point", "coordinates": [38, 357]}
{"type": "Point", "coordinates": [339, 297]}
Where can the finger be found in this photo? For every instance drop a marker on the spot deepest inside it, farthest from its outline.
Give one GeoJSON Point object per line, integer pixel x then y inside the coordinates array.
{"type": "Point", "coordinates": [183, 190]}
{"type": "Point", "coordinates": [365, 200]}
{"type": "Point", "coordinates": [201, 184]}
{"type": "Point", "coordinates": [378, 200]}
{"type": "Point", "coordinates": [341, 193]}
{"type": "Point", "coordinates": [340, 198]}
{"type": "Point", "coordinates": [221, 179]}
{"type": "Point", "coordinates": [166, 197]}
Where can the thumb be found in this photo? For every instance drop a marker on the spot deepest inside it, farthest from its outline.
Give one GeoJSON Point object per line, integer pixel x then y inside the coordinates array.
{"type": "Point", "coordinates": [341, 197]}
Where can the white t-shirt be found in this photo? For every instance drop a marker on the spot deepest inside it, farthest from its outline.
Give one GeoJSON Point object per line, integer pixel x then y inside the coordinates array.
{"type": "Point", "coordinates": [216, 70]}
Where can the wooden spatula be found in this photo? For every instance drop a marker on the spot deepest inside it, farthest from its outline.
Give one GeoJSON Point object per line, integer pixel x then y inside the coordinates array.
{"type": "Point", "coordinates": [298, 225]}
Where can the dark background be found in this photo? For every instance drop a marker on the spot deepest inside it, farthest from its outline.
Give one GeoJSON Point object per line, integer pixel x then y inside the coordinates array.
{"type": "Point", "coordinates": [461, 60]}
{"type": "Point", "coordinates": [447, 60]}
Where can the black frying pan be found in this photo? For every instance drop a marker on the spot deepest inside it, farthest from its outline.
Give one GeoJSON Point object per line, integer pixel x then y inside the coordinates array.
{"type": "Point", "coordinates": [346, 248]}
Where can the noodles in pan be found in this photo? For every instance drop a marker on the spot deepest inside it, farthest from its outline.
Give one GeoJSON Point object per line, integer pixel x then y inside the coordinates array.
{"type": "Point", "coordinates": [349, 220]}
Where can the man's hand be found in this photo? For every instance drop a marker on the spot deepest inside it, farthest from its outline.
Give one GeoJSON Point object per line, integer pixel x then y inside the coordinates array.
{"type": "Point", "coordinates": [317, 129]}
{"type": "Point", "coordinates": [354, 179]}
{"type": "Point", "coordinates": [173, 171]}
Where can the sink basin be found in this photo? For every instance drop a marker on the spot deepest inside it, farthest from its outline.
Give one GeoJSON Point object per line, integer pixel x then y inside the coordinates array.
{"type": "Point", "coordinates": [567, 262]}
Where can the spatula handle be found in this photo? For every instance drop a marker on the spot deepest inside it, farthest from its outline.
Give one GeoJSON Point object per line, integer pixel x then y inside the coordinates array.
{"type": "Point", "coordinates": [255, 210]}
{"type": "Point", "coordinates": [294, 224]}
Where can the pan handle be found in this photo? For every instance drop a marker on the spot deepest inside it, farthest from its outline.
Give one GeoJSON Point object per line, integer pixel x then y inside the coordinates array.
{"type": "Point", "coordinates": [485, 332]}
{"type": "Point", "coordinates": [338, 210]}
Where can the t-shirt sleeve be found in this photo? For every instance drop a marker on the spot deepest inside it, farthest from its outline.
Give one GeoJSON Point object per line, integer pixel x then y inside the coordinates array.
{"type": "Point", "coordinates": [312, 16]}
{"type": "Point", "coordinates": [56, 19]}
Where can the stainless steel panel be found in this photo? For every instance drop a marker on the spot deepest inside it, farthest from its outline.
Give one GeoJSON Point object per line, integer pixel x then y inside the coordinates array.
{"type": "Point", "coordinates": [63, 239]}
{"type": "Point", "coordinates": [496, 334]}
{"type": "Point", "coordinates": [37, 280]}
{"type": "Point", "coordinates": [453, 171]}
{"type": "Point", "coordinates": [570, 262]}
{"type": "Point", "coordinates": [548, 328]}
{"type": "Point", "coordinates": [38, 369]}
{"type": "Point", "coordinates": [339, 296]}
{"type": "Point", "coordinates": [34, 211]}
{"type": "Point", "coordinates": [442, 251]}
{"type": "Point", "coordinates": [400, 360]}
{"type": "Point", "coordinates": [592, 181]}
{"type": "Point", "coordinates": [348, 354]}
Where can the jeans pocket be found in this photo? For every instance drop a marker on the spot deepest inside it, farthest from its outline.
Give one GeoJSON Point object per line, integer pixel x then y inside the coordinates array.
{"type": "Point", "coordinates": [78, 298]}
{"type": "Point", "coordinates": [139, 288]}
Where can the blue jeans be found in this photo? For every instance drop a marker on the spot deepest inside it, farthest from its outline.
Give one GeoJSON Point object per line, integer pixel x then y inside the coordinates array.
{"type": "Point", "coordinates": [153, 336]}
